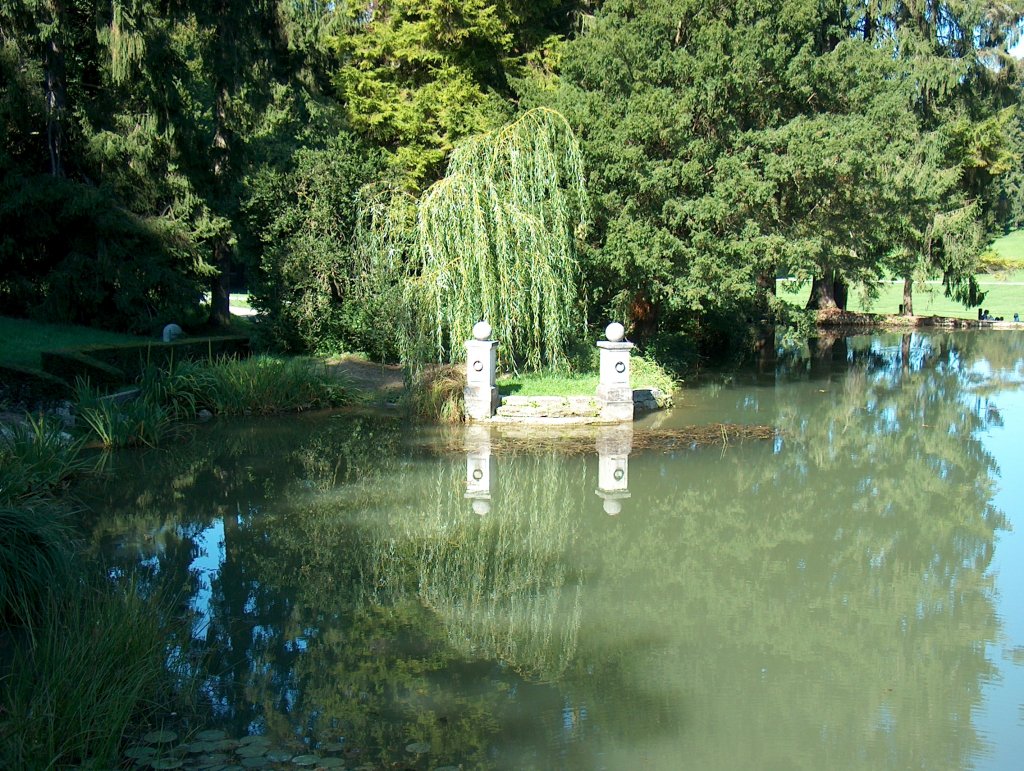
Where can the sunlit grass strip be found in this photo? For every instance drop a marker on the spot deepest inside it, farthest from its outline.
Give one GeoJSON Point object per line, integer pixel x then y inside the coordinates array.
{"type": "Point", "coordinates": [644, 373]}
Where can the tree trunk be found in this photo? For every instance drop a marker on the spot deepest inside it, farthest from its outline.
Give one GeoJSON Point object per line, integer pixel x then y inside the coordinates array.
{"type": "Point", "coordinates": [220, 297]}
{"type": "Point", "coordinates": [828, 290]}
{"type": "Point", "coordinates": [56, 89]}
{"type": "Point", "coordinates": [908, 296]}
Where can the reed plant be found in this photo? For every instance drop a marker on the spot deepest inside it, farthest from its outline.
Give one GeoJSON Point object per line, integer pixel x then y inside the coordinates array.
{"type": "Point", "coordinates": [436, 393]}
{"type": "Point", "coordinates": [103, 662]}
{"type": "Point", "coordinates": [129, 423]}
{"type": "Point", "coordinates": [264, 385]}
{"type": "Point", "coordinates": [36, 455]}
{"type": "Point", "coordinates": [34, 553]}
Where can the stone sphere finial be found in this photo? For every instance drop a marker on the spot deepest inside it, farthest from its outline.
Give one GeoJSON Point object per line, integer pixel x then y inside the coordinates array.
{"type": "Point", "coordinates": [481, 507]}
{"type": "Point", "coordinates": [482, 331]}
{"type": "Point", "coordinates": [615, 332]}
{"type": "Point", "coordinates": [612, 507]}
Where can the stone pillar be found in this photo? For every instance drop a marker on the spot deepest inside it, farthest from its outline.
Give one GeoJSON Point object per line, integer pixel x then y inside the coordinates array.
{"type": "Point", "coordinates": [479, 466]}
{"type": "Point", "coordinates": [481, 392]}
{"type": "Point", "coordinates": [613, 446]}
{"type": "Point", "coordinates": [614, 393]}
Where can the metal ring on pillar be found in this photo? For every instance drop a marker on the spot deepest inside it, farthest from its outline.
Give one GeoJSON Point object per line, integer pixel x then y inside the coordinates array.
{"type": "Point", "coordinates": [478, 474]}
{"type": "Point", "coordinates": [478, 366]}
{"type": "Point", "coordinates": [618, 474]}
{"type": "Point", "coordinates": [620, 367]}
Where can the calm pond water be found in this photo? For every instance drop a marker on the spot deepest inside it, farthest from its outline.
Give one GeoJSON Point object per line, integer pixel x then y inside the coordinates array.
{"type": "Point", "coordinates": [847, 595]}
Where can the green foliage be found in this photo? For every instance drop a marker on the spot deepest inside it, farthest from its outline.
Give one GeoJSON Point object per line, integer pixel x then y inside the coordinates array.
{"type": "Point", "coordinates": [72, 254]}
{"type": "Point", "coordinates": [305, 279]}
{"type": "Point", "coordinates": [36, 458]}
{"type": "Point", "coordinates": [495, 239]}
{"type": "Point", "coordinates": [103, 659]}
{"type": "Point", "coordinates": [34, 554]}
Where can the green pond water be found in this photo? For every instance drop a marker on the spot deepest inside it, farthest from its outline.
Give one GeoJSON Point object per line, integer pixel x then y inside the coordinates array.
{"type": "Point", "coordinates": [846, 595]}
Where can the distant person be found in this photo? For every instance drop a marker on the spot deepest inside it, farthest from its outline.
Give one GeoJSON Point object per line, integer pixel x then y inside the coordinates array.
{"type": "Point", "coordinates": [985, 316]}
{"type": "Point", "coordinates": [1016, 317]}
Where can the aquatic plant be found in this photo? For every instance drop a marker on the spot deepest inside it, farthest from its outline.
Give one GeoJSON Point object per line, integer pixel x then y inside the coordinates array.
{"type": "Point", "coordinates": [34, 553]}
{"type": "Point", "coordinates": [102, 659]}
{"type": "Point", "coordinates": [122, 423]}
{"type": "Point", "coordinates": [264, 385]}
{"type": "Point", "coordinates": [36, 455]}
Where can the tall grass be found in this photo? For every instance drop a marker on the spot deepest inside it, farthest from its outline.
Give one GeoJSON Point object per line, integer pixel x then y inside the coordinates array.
{"type": "Point", "coordinates": [436, 393]}
{"type": "Point", "coordinates": [263, 385]}
{"type": "Point", "coordinates": [36, 456]}
{"type": "Point", "coordinates": [93, 669]}
{"type": "Point", "coordinates": [34, 553]}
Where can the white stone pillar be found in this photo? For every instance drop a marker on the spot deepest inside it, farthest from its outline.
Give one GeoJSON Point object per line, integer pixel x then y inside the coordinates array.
{"type": "Point", "coordinates": [481, 392]}
{"type": "Point", "coordinates": [614, 393]}
{"type": "Point", "coordinates": [613, 446]}
{"type": "Point", "coordinates": [479, 465]}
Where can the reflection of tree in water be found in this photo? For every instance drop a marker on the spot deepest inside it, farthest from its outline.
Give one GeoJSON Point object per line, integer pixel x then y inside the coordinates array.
{"type": "Point", "coordinates": [360, 596]}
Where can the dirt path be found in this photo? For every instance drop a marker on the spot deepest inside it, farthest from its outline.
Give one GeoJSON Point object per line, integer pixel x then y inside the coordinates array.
{"type": "Point", "coordinates": [384, 381]}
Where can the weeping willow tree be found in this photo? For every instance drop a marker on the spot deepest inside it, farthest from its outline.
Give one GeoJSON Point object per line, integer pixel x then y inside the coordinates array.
{"type": "Point", "coordinates": [495, 239]}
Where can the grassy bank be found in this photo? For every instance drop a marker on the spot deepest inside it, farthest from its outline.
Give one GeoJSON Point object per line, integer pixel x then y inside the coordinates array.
{"type": "Point", "coordinates": [21, 340]}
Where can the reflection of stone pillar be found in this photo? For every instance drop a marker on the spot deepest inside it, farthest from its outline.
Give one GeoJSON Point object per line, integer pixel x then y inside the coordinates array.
{"type": "Point", "coordinates": [613, 446]}
{"type": "Point", "coordinates": [614, 392]}
{"type": "Point", "coordinates": [481, 392]}
{"type": "Point", "coordinates": [478, 468]}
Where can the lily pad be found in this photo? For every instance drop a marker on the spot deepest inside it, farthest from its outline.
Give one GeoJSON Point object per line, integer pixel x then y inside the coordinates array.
{"type": "Point", "coordinates": [252, 750]}
{"type": "Point", "coordinates": [280, 756]}
{"type": "Point", "coordinates": [332, 747]}
{"type": "Point", "coordinates": [254, 739]}
{"type": "Point", "coordinates": [306, 760]}
{"type": "Point", "coordinates": [215, 760]}
{"type": "Point", "coordinates": [211, 735]}
{"type": "Point", "coordinates": [418, 747]}
{"type": "Point", "coordinates": [330, 763]}
{"type": "Point", "coordinates": [201, 747]}
{"type": "Point", "coordinates": [257, 762]}
{"type": "Point", "coordinates": [224, 745]}
{"type": "Point", "coordinates": [160, 737]}
{"type": "Point", "coordinates": [139, 752]}
{"type": "Point", "coordinates": [162, 763]}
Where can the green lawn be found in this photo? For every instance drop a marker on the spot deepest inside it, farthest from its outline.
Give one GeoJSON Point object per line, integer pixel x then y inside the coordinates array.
{"type": "Point", "coordinates": [21, 340]}
{"type": "Point", "coordinates": [1010, 246]}
{"type": "Point", "coordinates": [1004, 296]}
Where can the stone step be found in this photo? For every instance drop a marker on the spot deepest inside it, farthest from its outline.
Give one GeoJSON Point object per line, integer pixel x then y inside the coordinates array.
{"type": "Point", "coordinates": [548, 407]}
